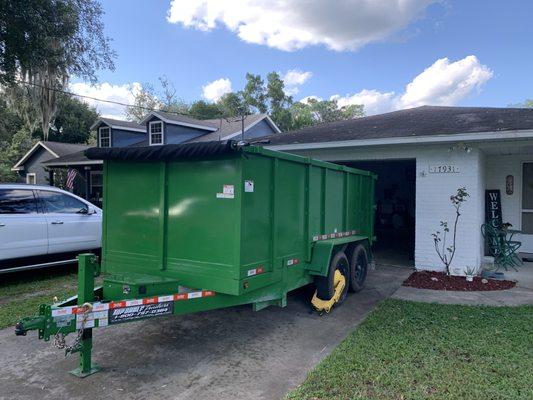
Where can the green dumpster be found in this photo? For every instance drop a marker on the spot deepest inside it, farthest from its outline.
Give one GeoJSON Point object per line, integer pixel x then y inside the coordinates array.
{"type": "Point", "coordinates": [200, 226]}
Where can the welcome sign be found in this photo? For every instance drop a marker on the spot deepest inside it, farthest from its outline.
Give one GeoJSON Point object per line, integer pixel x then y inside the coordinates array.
{"type": "Point", "coordinates": [493, 208]}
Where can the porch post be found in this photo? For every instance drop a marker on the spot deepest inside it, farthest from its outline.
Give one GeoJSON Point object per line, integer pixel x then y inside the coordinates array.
{"type": "Point", "coordinates": [87, 171]}
{"type": "Point", "coordinates": [51, 176]}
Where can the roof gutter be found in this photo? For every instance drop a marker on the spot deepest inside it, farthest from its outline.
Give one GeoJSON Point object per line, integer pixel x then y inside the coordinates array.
{"type": "Point", "coordinates": [433, 139]}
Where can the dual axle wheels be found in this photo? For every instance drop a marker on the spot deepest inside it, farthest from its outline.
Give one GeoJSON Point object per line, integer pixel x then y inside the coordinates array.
{"type": "Point", "coordinates": [343, 275]}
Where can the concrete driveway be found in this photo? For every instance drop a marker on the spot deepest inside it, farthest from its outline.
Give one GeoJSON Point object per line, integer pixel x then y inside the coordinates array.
{"type": "Point", "coordinates": [222, 354]}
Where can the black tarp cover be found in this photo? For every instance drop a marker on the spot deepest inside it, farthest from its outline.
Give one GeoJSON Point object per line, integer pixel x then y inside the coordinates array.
{"type": "Point", "coordinates": [164, 152]}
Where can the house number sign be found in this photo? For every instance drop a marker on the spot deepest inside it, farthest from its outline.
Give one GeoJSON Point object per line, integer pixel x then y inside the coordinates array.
{"type": "Point", "coordinates": [443, 169]}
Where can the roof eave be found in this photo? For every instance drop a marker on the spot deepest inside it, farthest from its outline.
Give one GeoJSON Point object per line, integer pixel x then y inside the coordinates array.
{"type": "Point", "coordinates": [18, 165]}
{"type": "Point", "coordinates": [424, 139]}
{"type": "Point", "coordinates": [172, 122]}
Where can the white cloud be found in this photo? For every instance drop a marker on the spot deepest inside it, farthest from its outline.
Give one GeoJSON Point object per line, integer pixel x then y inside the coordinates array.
{"type": "Point", "coordinates": [375, 102]}
{"type": "Point", "coordinates": [106, 91]}
{"type": "Point", "coordinates": [444, 83]}
{"type": "Point", "coordinates": [294, 24]}
{"type": "Point", "coordinates": [216, 89]}
{"type": "Point", "coordinates": [293, 79]}
{"type": "Point", "coordinates": [306, 99]}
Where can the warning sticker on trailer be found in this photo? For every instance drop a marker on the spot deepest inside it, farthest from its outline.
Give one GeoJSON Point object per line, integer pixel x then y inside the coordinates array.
{"type": "Point", "coordinates": [228, 192]}
{"type": "Point", "coordinates": [249, 186]}
{"type": "Point", "coordinates": [132, 313]}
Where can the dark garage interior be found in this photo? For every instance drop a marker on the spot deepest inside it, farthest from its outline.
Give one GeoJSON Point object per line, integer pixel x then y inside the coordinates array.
{"type": "Point", "coordinates": [395, 214]}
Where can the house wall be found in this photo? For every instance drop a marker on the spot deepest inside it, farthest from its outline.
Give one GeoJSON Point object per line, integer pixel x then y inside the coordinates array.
{"type": "Point", "coordinates": [433, 193]}
{"type": "Point", "coordinates": [33, 165]}
{"type": "Point", "coordinates": [260, 129]}
{"type": "Point", "coordinates": [121, 137]}
{"type": "Point", "coordinates": [174, 134]}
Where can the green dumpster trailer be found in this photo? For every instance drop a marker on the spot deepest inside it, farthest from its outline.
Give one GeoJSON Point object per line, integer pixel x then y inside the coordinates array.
{"type": "Point", "coordinates": [200, 226]}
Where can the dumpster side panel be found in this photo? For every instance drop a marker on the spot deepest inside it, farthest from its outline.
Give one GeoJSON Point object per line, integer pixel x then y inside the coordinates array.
{"type": "Point", "coordinates": [290, 209]}
{"type": "Point", "coordinates": [203, 227]}
{"type": "Point", "coordinates": [257, 209]}
{"type": "Point", "coordinates": [132, 212]}
{"type": "Point", "coordinates": [334, 201]}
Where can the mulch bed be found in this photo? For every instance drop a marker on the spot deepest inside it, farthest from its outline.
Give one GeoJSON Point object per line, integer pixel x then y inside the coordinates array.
{"type": "Point", "coordinates": [440, 281]}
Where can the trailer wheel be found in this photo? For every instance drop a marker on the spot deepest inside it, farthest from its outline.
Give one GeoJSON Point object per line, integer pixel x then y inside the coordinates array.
{"type": "Point", "coordinates": [358, 268]}
{"type": "Point", "coordinates": [325, 284]}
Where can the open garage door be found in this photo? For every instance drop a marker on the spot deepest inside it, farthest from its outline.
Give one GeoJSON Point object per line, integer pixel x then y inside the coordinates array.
{"type": "Point", "coordinates": [395, 214]}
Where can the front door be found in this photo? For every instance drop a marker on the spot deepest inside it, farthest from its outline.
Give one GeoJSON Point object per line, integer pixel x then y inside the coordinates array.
{"type": "Point", "coordinates": [527, 208]}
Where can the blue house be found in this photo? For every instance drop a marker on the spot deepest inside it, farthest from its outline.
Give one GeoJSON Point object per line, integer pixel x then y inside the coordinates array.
{"type": "Point", "coordinates": [156, 129]}
{"type": "Point", "coordinates": [165, 128]}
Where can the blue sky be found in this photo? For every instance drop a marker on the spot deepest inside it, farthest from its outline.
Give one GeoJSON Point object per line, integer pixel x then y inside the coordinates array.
{"type": "Point", "coordinates": [358, 52]}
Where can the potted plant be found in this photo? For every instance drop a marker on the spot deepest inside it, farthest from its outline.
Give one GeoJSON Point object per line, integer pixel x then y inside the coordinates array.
{"type": "Point", "coordinates": [469, 273]}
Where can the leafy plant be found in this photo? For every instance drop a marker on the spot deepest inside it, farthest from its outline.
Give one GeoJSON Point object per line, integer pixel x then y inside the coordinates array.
{"type": "Point", "coordinates": [444, 251]}
{"type": "Point", "coordinates": [470, 271]}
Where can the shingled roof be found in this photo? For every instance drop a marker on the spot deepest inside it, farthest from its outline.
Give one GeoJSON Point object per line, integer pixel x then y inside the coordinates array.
{"type": "Point", "coordinates": [120, 124]}
{"type": "Point", "coordinates": [419, 121]}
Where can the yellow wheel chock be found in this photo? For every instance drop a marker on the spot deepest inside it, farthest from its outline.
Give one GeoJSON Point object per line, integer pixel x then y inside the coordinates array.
{"type": "Point", "coordinates": [339, 281]}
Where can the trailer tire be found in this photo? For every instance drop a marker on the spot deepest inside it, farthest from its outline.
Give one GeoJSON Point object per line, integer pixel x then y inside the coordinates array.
{"type": "Point", "coordinates": [358, 268]}
{"type": "Point", "coordinates": [324, 284]}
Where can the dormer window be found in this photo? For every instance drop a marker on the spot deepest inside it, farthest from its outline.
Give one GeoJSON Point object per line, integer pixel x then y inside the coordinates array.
{"type": "Point", "coordinates": [156, 132]}
{"type": "Point", "coordinates": [104, 139]}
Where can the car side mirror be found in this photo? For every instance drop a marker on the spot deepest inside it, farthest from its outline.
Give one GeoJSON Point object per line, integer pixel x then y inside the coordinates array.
{"type": "Point", "coordinates": [91, 210]}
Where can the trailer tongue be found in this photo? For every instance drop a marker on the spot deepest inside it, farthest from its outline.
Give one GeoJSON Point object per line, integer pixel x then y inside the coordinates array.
{"type": "Point", "coordinates": [200, 226]}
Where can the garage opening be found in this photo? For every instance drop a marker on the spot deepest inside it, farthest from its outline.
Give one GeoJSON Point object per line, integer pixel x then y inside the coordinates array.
{"type": "Point", "coordinates": [395, 214]}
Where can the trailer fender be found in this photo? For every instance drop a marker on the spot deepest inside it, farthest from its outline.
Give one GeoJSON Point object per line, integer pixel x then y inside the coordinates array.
{"type": "Point", "coordinates": [323, 250]}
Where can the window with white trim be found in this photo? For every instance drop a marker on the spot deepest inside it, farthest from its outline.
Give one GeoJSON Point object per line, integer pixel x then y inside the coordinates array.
{"type": "Point", "coordinates": [104, 137]}
{"type": "Point", "coordinates": [527, 198]}
{"type": "Point", "coordinates": [31, 178]}
{"type": "Point", "coordinates": [156, 133]}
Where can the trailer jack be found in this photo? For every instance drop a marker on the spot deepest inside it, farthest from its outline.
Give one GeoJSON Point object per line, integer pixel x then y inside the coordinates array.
{"type": "Point", "coordinates": [339, 282]}
{"type": "Point", "coordinates": [48, 325]}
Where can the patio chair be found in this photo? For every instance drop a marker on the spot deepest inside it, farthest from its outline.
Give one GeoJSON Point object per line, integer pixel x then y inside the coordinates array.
{"type": "Point", "coordinates": [502, 246]}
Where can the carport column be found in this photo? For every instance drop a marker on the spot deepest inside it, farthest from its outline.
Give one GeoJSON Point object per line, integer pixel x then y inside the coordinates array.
{"type": "Point", "coordinates": [86, 272]}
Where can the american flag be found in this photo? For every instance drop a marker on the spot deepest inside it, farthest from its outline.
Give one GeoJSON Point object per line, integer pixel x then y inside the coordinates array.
{"type": "Point", "coordinates": [71, 174]}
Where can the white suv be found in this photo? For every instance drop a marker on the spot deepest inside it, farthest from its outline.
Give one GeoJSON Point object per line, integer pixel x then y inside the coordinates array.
{"type": "Point", "coordinates": [44, 220]}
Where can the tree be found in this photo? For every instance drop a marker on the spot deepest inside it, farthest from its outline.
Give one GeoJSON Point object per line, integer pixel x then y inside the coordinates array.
{"type": "Point", "coordinates": [315, 111]}
{"type": "Point", "coordinates": [254, 93]}
{"type": "Point", "coordinates": [73, 121]}
{"type": "Point", "coordinates": [233, 105]}
{"type": "Point", "coordinates": [144, 99]}
{"type": "Point", "coordinates": [444, 251]}
{"type": "Point", "coordinates": [65, 35]}
{"type": "Point", "coordinates": [528, 103]}
{"type": "Point", "coordinates": [11, 151]}
{"type": "Point", "coordinates": [203, 110]}
{"type": "Point", "coordinates": [43, 43]}
{"type": "Point", "coordinates": [10, 122]}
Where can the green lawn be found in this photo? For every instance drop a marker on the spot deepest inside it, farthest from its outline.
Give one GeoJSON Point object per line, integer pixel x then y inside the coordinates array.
{"type": "Point", "coordinates": [407, 350]}
{"type": "Point", "coordinates": [22, 293]}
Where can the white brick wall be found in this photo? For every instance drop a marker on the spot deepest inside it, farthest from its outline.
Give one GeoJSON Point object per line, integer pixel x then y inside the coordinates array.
{"type": "Point", "coordinates": [433, 193]}
{"type": "Point", "coordinates": [433, 205]}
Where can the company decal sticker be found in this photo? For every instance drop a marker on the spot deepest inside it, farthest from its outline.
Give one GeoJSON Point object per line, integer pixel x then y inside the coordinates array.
{"type": "Point", "coordinates": [255, 271]}
{"type": "Point", "coordinates": [133, 313]}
